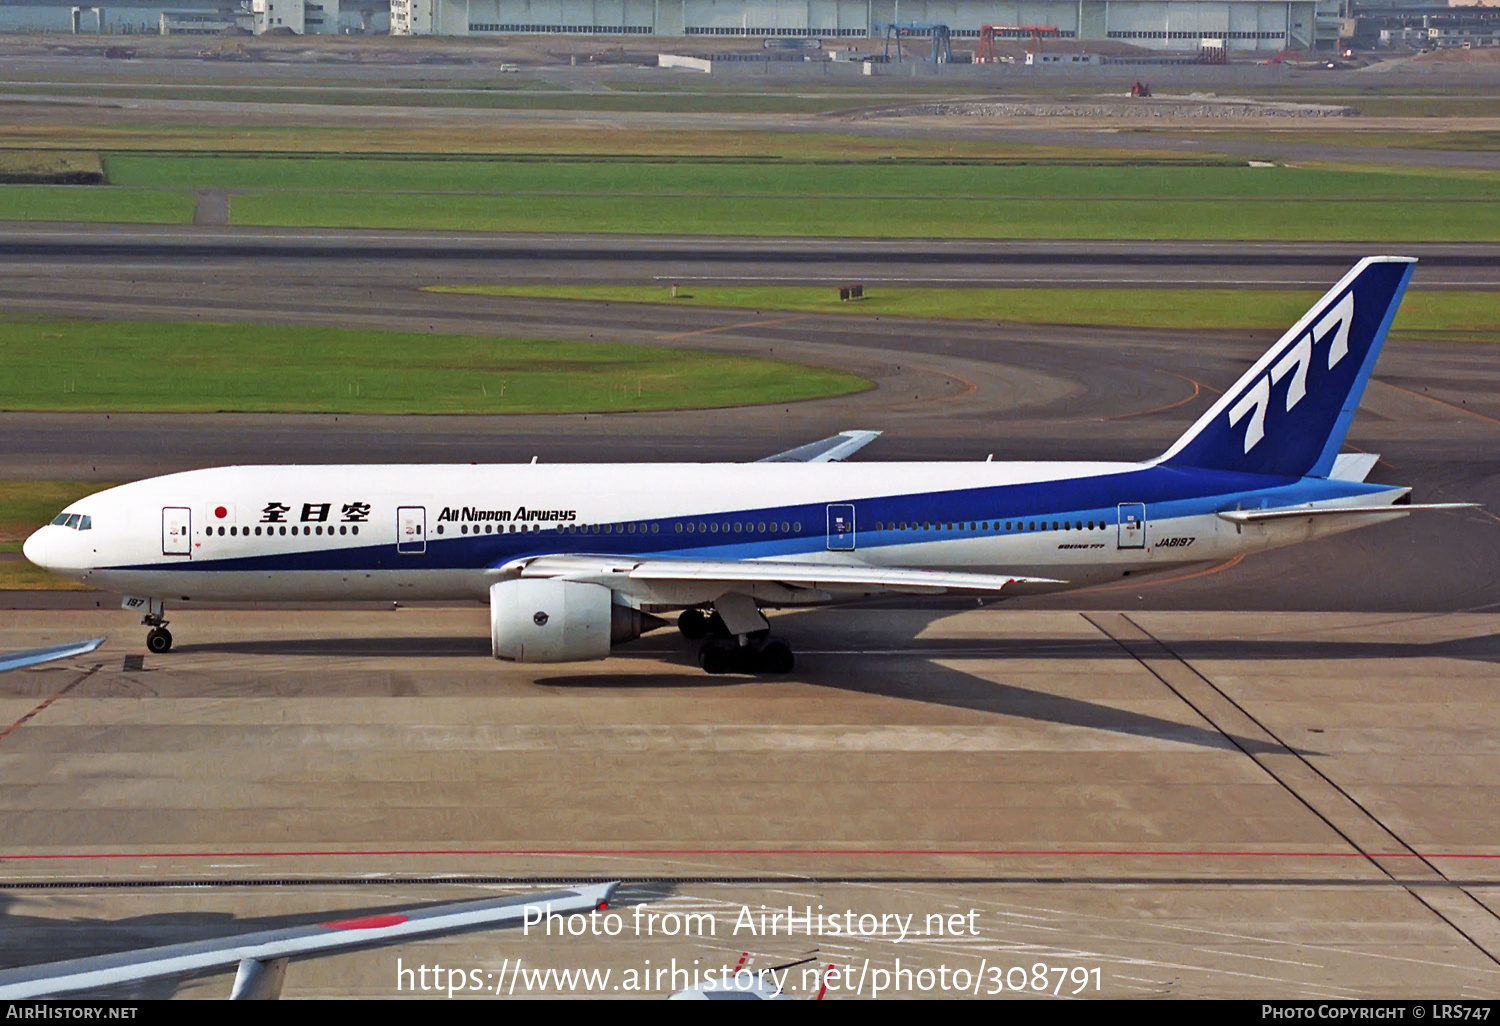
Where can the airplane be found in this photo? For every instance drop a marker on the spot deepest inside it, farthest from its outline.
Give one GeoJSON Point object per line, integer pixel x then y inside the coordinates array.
{"type": "Point", "coordinates": [574, 559]}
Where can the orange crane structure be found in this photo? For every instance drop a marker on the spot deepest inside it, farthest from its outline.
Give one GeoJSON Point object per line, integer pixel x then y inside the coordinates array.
{"type": "Point", "coordinates": [985, 54]}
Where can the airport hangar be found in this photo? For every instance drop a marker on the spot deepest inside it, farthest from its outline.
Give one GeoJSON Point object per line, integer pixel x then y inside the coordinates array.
{"type": "Point", "coordinates": [1267, 26]}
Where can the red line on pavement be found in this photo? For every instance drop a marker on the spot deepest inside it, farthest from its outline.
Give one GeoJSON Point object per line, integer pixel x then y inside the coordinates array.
{"type": "Point", "coordinates": [625, 852]}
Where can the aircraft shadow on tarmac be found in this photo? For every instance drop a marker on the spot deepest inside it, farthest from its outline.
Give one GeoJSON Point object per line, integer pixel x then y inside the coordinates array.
{"type": "Point", "coordinates": [824, 661]}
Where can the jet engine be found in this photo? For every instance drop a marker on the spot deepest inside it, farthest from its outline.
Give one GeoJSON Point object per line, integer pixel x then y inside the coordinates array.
{"type": "Point", "coordinates": [551, 621]}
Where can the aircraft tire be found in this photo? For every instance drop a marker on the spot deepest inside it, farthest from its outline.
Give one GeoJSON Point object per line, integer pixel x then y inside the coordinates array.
{"type": "Point", "coordinates": [776, 657]}
{"type": "Point", "coordinates": [693, 624]}
{"type": "Point", "coordinates": [159, 640]}
{"type": "Point", "coordinates": [717, 658]}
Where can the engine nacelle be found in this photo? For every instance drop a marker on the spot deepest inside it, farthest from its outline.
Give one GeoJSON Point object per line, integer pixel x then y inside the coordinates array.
{"type": "Point", "coordinates": [550, 621]}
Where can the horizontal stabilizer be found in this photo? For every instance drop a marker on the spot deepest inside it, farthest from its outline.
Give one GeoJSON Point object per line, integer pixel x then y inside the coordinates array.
{"type": "Point", "coordinates": [830, 450]}
{"type": "Point", "coordinates": [1256, 516]}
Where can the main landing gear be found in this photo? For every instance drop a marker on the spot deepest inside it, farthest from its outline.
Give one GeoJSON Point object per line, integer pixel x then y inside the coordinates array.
{"type": "Point", "coordinates": [158, 638]}
{"type": "Point", "coordinates": [724, 652]}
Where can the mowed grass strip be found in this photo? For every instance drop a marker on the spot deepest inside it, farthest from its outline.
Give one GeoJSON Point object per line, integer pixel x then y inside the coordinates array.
{"type": "Point", "coordinates": [854, 179]}
{"type": "Point", "coordinates": [95, 203]}
{"type": "Point", "coordinates": [1476, 313]}
{"type": "Point", "coordinates": [941, 218]}
{"type": "Point", "coordinates": [173, 367]}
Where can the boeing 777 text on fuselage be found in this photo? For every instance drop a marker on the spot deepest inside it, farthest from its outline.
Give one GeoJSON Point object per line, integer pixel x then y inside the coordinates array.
{"type": "Point", "coordinates": [576, 559]}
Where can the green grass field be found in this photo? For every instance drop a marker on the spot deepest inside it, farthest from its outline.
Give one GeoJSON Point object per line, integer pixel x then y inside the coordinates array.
{"type": "Point", "coordinates": [776, 178]}
{"type": "Point", "coordinates": [944, 218]}
{"type": "Point", "coordinates": [172, 367]}
{"type": "Point", "coordinates": [857, 198]}
{"type": "Point", "coordinates": [95, 203]}
{"type": "Point", "coordinates": [1447, 313]}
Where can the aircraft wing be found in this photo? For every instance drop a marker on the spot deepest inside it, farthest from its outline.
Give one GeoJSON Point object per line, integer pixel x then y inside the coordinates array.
{"type": "Point", "coordinates": [829, 577]}
{"type": "Point", "coordinates": [262, 956]}
{"type": "Point", "coordinates": [830, 450]}
{"type": "Point", "coordinates": [1258, 516]}
{"type": "Point", "coordinates": [32, 656]}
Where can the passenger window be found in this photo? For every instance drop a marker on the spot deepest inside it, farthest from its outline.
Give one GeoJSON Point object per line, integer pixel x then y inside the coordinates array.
{"type": "Point", "coordinates": [761, 528]}
{"type": "Point", "coordinates": [796, 527]}
{"type": "Point", "coordinates": [355, 529]}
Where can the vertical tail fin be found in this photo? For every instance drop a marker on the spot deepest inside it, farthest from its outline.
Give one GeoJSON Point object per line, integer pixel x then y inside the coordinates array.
{"type": "Point", "coordinates": [1289, 413]}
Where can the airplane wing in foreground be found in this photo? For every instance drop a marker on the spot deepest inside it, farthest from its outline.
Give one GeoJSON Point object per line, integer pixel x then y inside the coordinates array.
{"type": "Point", "coordinates": [833, 578]}
{"type": "Point", "coordinates": [33, 656]}
{"type": "Point", "coordinates": [830, 450]}
{"type": "Point", "coordinates": [262, 957]}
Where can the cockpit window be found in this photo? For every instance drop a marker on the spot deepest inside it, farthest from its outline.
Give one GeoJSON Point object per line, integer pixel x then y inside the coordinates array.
{"type": "Point", "coordinates": [85, 523]}
{"type": "Point", "coordinates": [73, 520]}
{"type": "Point", "coordinates": [61, 520]}
{"type": "Point", "coordinates": [77, 521]}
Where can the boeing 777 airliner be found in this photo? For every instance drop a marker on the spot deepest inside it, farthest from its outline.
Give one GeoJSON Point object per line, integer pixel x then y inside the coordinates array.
{"type": "Point", "coordinates": [575, 559]}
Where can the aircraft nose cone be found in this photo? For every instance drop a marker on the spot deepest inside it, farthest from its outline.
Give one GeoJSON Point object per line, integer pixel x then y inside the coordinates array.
{"type": "Point", "coordinates": [35, 548]}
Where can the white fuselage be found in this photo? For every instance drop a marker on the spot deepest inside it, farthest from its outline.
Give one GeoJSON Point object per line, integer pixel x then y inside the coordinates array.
{"type": "Point", "coordinates": [330, 533]}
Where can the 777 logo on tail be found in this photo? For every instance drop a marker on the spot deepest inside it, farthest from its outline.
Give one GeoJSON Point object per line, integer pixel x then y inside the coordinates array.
{"type": "Point", "coordinates": [1295, 361]}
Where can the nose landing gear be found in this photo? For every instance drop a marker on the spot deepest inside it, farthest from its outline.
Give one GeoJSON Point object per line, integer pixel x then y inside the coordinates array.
{"type": "Point", "coordinates": [158, 638]}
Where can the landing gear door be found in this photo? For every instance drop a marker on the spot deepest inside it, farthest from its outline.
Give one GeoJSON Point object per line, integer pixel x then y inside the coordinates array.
{"type": "Point", "coordinates": [177, 531]}
{"type": "Point", "coordinates": [1132, 529]}
{"type": "Point", "coordinates": [411, 530]}
{"type": "Point", "coordinates": [840, 528]}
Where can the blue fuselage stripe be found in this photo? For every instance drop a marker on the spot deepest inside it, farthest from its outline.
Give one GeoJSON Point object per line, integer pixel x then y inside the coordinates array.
{"type": "Point", "coordinates": [1167, 492]}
